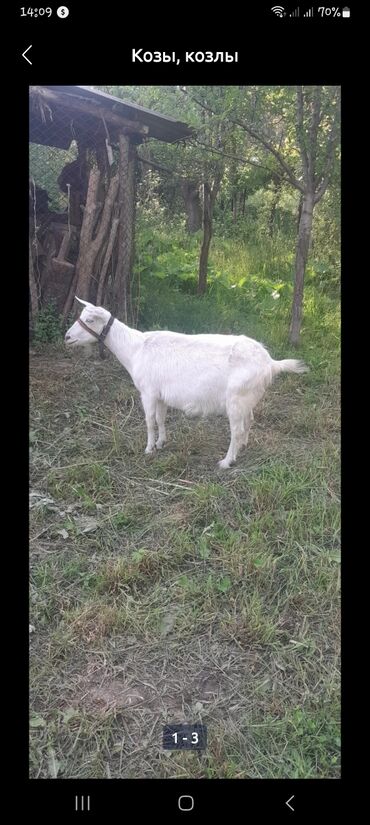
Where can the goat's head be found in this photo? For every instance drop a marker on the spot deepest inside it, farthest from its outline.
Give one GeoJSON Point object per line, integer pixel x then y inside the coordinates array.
{"type": "Point", "coordinates": [94, 317]}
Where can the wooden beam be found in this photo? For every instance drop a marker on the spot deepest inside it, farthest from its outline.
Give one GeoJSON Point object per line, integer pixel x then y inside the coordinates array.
{"type": "Point", "coordinates": [126, 229]}
{"type": "Point", "coordinates": [84, 107]}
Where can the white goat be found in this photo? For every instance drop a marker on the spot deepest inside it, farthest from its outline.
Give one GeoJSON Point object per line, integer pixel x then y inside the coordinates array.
{"type": "Point", "coordinates": [202, 375]}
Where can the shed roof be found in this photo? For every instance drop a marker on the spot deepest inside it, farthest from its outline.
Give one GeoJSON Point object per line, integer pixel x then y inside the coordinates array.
{"type": "Point", "coordinates": [71, 111]}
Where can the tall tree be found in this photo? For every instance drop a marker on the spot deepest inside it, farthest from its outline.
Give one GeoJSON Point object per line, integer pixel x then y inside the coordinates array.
{"type": "Point", "coordinates": [305, 162]}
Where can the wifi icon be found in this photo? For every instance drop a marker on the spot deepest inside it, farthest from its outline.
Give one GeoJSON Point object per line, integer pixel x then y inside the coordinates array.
{"type": "Point", "coordinates": [278, 10]}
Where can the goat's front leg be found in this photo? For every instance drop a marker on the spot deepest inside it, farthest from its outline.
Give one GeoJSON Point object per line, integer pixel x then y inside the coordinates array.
{"type": "Point", "coordinates": [149, 404]}
{"type": "Point", "coordinates": [160, 414]}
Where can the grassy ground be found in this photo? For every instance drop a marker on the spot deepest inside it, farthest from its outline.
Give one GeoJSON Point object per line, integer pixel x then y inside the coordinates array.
{"type": "Point", "coordinates": [165, 591]}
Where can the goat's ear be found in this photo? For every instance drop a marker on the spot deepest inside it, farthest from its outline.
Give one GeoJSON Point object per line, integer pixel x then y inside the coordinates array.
{"type": "Point", "coordinates": [85, 303]}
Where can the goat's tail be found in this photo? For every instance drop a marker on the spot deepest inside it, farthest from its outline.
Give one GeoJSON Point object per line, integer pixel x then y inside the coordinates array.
{"type": "Point", "coordinates": [289, 365]}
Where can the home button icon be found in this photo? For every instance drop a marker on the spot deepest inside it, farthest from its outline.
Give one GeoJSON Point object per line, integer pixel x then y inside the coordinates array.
{"type": "Point", "coordinates": [185, 803]}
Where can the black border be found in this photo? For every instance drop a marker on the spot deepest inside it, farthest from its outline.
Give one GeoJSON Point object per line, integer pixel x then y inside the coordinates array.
{"type": "Point", "coordinates": [213, 798]}
{"type": "Point", "coordinates": [267, 55]}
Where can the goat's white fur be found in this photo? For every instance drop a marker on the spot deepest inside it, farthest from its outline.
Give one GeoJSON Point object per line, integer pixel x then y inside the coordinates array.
{"type": "Point", "coordinates": [202, 375]}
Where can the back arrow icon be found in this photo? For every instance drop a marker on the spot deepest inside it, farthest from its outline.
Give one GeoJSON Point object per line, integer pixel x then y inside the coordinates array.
{"type": "Point", "coordinates": [25, 52]}
{"type": "Point", "coordinates": [287, 803]}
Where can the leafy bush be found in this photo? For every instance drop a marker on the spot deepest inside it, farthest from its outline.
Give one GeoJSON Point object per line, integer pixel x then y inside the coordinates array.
{"type": "Point", "coordinates": [48, 326]}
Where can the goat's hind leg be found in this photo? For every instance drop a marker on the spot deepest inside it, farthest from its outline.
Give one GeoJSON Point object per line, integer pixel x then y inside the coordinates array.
{"type": "Point", "coordinates": [248, 418]}
{"type": "Point", "coordinates": [160, 414]}
{"type": "Point", "coordinates": [237, 418]}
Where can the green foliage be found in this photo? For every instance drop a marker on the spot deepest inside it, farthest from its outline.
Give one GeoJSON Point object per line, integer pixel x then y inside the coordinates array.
{"type": "Point", "coordinates": [324, 265]}
{"type": "Point", "coordinates": [250, 291]}
{"type": "Point", "coordinates": [48, 326]}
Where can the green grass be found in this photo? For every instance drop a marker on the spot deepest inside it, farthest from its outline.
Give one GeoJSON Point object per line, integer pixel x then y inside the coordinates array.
{"type": "Point", "coordinates": [164, 591]}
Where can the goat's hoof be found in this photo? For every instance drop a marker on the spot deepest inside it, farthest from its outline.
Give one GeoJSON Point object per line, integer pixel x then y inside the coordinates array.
{"type": "Point", "coordinates": [224, 464]}
{"type": "Point", "coordinates": [159, 444]}
{"type": "Point", "coordinates": [149, 450]}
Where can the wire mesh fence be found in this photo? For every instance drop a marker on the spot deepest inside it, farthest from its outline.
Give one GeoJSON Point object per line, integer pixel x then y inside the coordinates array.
{"type": "Point", "coordinates": [46, 164]}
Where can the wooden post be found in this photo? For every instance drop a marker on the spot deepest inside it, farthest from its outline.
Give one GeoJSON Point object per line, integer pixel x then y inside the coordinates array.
{"type": "Point", "coordinates": [107, 257]}
{"type": "Point", "coordinates": [91, 246]}
{"type": "Point", "coordinates": [126, 229]}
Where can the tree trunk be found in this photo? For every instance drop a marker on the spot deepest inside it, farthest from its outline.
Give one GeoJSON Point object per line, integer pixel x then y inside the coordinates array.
{"type": "Point", "coordinates": [244, 197]}
{"type": "Point", "coordinates": [235, 206]}
{"type": "Point", "coordinates": [302, 249]}
{"type": "Point", "coordinates": [190, 191]}
{"type": "Point", "coordinates": [209, 199]}
{"type": "Point", "coordinates": [207, 235]}
{"type": "Point", "coordinates": [127, 203]}
{"type": "Point", "coordinates": [299, 212]}
{"type": "Point", "coordinates": [275, 201]}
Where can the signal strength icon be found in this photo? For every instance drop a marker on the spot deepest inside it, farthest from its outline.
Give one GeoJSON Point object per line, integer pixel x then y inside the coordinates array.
{"type": "Point", "coordinates": [295, 13]}
{"type": "Point", "coordinates": [308, 13]}
{"type": "Point", "coordinates": [278, 10]}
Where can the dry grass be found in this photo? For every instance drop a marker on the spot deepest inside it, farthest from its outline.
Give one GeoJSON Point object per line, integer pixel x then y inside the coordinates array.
{"type": "Point", "coordinates": [164, 591]}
